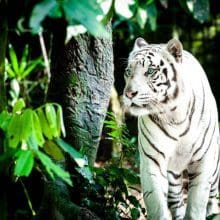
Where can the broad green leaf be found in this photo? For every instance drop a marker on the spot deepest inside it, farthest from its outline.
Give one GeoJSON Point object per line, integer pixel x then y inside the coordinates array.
{"type": "Point", "coordinates": [13, 60]}
{"type": "Point", "coordinates": [18, 106]}
{"type": "Point", "coordinates": [52, 168]}
{"type": "Point", "coordinates": [14, 131]}
{"type": "Point", "coordinates": [26, 127]}
{"type": "Point", "coordinates": [37, 131]}
{"type": "Point", "coordinates": [152, 15]}
{"type": "Point", "coordinates": [55, 12]}
{"type": "Point", "coordinates": [141, 17]}
{"type": "Point", "coordinates": [78, 157]}
{"type": "Point", "coordinates": [5, 118]}
{"type": "Point", "coordinates": [40, 12]}
{"type": "Point", "coordinates": [85, 12]}
{"type": "Point", "coordinates": [44, 124]}
{"type": "Point", "coordinates": [60, 123]}
{"type": "Point", "coordinates": [53, 150]}
{"type": "Point", "coordinates": [201, 10]}
{"type": "Point", "coordinates": [123, 8]}
{"type": "Point", "coordinates": [51, 118]}
{"type": "Point", "coordinates": [24, 163]}
{"type": "Point", "coordinates": [32, 142]}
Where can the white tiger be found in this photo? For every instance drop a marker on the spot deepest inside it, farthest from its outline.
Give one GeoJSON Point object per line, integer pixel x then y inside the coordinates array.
{"type": "Point", "coordinates": [167, 89]}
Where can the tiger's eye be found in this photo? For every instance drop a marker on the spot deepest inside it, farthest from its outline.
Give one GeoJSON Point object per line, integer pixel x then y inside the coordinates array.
{"type": "Point", "coordinates": [127, 73]}
{"type": "Point", "coordinates": [150, 71]}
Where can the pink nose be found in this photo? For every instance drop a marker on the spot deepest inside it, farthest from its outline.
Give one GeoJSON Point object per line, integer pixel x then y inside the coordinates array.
{"type": "Point", "coordinates": [131, 94]}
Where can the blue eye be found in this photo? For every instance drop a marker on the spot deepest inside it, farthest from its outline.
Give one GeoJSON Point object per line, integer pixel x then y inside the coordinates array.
{"type": "Point", "coordinates": [127, 72]}
{"type": "Point", "coordinates": [150, 71]}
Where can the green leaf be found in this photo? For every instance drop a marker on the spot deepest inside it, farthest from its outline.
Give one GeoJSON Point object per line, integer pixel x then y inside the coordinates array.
{"type": "Point", "coordinates": [123, 8]}
{"type": "Point", "coordinates": [44, 124]}
{"type": "Point", "coordinates": [134, 201]}
{"type": "Point", "coordinates": [23, 61]}
{"type": "Point", "coordinates": [201, 10]}
{"type": "Point", "coordinates": [5, 118]}
{"type": "Point", "coordinates": [7, 155]}
{"type": "Point", "coordinates": [26, 128]}
{"type": "Point", "coordinates": [131, 177]}
{"type": "Point", "coordinates": [18, 106]}
{"type": "Point", "coordinates": [24, 163]}
{"type": "Point", "coordinates": [9, 70]}
{"type": "Point", "coordinates": [78, 157]}
{"type": "Point", "coordinates": [13, 60]}
{"type": "Point", "coordinates": [152, 15]}
{"type": "Point", "coordinates": [135, 213]}
{"type": "Point", "coordinates": [109, 14]}
{"type": "Point", "coordinates": [31, 66]}
{"type": "Point", "coordinates": [14, 131]}
{"type": "Point", "coordinates": [52, 168]}
{"type": "Point", "coordinates": [53, 150]}
{"type": "Point", "coordinates": [37, 131]}
{"type": "Point", "coordinates": [32, 142]}
{"type": "Point", "coordinates": [85, 12]}
{"type": "Point", "coordinates": [55, 12]}
{"type": "Point", "coordinates": [52, 120]}
{"type": "Point", "coordinates": [141, 17]}
{"type": "Point", "coordinates": [40, 12]}
{"type": "Point", "coordinates": [86, 173]}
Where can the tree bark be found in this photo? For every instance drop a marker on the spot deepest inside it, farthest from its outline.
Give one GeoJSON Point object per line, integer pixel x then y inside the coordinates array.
{"type": "Point", "coordinates": [81, 82]}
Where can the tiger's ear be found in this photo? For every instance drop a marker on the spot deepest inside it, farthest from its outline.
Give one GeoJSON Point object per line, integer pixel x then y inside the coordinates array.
{"type": "Point", "coordinates": [175, 48]}
{"type": "Point", "coordinates": [139, 43]}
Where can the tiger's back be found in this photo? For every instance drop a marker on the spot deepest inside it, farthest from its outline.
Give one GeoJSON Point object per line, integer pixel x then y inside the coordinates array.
{"type": "Point", "coordinates": [167, 89]}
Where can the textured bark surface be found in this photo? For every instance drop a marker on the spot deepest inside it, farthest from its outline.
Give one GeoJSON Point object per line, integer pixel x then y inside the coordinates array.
{"type": "Point", "coordinates": [81, 82]}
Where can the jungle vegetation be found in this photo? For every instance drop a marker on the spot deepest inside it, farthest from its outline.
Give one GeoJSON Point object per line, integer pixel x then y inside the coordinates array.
{"type": "Point", "coordinates": [65, 151]}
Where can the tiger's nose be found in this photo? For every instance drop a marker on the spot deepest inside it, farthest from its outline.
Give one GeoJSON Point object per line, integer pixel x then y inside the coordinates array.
{"type": "Point", "coordinates": [131, 94]}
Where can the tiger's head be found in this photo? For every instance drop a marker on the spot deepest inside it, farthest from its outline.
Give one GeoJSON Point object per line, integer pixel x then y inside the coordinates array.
{"type": "Point", "coordinates": [151, 77]}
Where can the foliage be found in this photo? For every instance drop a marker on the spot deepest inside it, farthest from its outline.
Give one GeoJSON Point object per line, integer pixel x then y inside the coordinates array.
{"type": "Point", "coordinates": [29, 136]}
{"type": "Point", "coordinates": [141, 16]}
{"type": "Point", "coordinates": [23, 68]}
{"type": "Point", "coordinates": [18, 72]}
{"type": "Point", "coordinates": [75, 12]}
{"type": "Point", "coordinates": [110, 193]}
{"type": "Point", "coordinates": [138, 14]}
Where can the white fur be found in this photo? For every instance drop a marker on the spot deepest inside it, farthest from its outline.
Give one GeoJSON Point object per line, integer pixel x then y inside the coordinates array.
{"type": "Point", "coordinates": [178, 150]}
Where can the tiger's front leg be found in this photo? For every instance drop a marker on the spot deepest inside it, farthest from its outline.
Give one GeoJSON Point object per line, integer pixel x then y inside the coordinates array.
{"type": "Point", "coordinates": [154, 186]}
{"type": "Point", "coordinates": [200, 180]}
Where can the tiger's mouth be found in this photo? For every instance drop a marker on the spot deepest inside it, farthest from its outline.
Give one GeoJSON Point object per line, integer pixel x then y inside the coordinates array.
{"type": "Point", "coordinates": [135, 105]}
{"type": "Point", "coordinates": [138, 106]}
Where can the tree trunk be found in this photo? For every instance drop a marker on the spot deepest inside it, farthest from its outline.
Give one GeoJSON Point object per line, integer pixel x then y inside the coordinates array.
{"type": "Point", "coordinates": [81, 82]}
